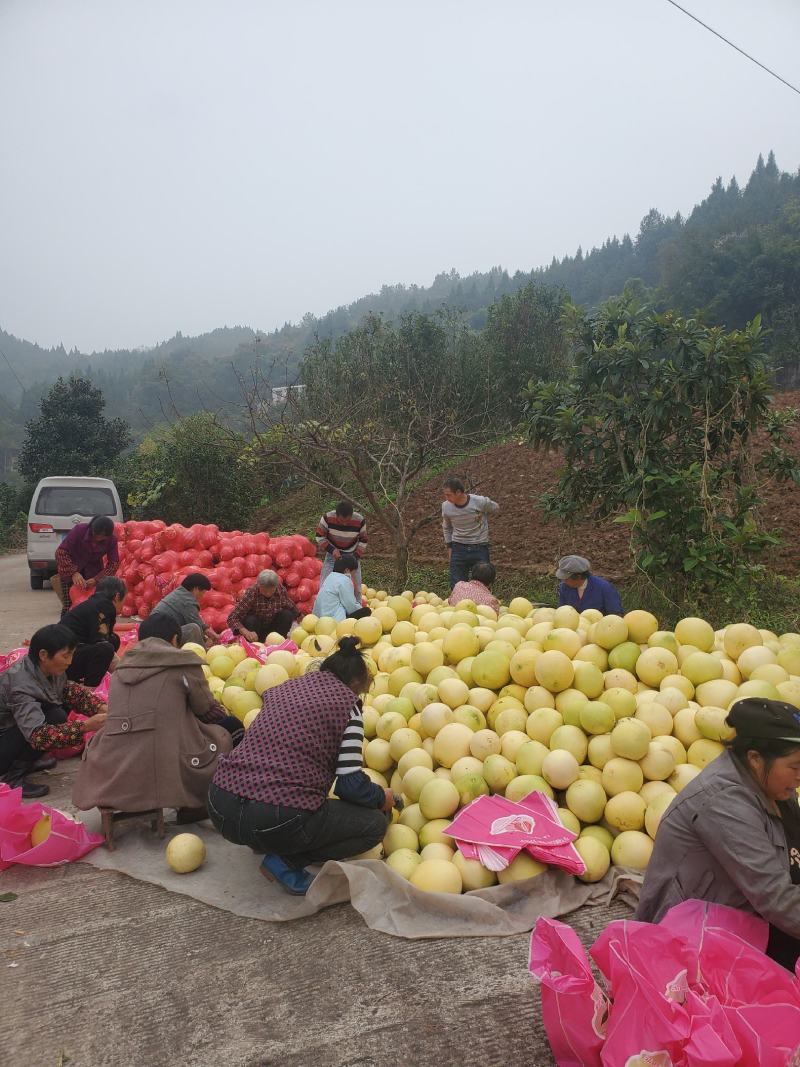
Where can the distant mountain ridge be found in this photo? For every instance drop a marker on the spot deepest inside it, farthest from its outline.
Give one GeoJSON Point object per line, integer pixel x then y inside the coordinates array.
{"type": "Point", "coordinates": [737, 254]}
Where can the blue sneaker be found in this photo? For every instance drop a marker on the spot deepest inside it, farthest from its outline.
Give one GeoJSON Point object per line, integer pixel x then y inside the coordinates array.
{"type": "Point", "coordinates": [293, 881]}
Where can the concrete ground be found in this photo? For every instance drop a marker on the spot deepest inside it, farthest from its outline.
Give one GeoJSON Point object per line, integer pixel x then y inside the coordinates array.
{"type": "Point", "coordinates": [99, 970]}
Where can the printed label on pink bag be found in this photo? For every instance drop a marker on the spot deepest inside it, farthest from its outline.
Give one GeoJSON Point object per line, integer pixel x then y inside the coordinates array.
{"type": "Point", "coordinates": [650, 1059]}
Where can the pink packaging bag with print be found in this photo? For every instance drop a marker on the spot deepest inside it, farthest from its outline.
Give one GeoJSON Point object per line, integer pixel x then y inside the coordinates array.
{"type": "Point", "coordinates": [228, 637]}
{"type": "Point", "coordinates": [12, 657]}
{"type": "Point", "coordinates": [68, 840]}
{"type": "Point", "coordinates": [654, 1012]}
{"type": "Point", "coordinates": [574, 1007]}
{"type": "Point", "coordinates": [497, 829]}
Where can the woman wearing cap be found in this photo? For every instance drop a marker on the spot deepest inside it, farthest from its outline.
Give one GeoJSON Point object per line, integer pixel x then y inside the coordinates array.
{"type": "Point", "coordinates": [580, 589]}
{"type": "Point", "coordinates": [732, 836]}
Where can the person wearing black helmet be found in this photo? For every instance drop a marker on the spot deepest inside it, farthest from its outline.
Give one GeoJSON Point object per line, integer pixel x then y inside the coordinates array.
{"type": "Point", "coordinates": [732, 835]}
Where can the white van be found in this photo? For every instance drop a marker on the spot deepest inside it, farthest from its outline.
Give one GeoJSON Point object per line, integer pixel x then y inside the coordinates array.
{"type": "Point", "coordinates": [57, 505]}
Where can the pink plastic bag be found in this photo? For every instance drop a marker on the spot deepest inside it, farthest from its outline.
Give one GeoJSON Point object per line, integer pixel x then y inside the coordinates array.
{"type": "Point", "coordinates": [12, 657]}
{"type": "Point", "coordinates": [227, 637]}
{"type": "Point", "coordinates": [73, 750]}
{"type": "Point", "coordinates": [574, 1007]}
{"type": "Point", "coordinates": [654, 1010]}
{"type": "Point", "coordinates": [498, 829]}
{"type": "Point", "coordinates": [68, 840]}
{"type": "Point", "coordinates": [694, 990]}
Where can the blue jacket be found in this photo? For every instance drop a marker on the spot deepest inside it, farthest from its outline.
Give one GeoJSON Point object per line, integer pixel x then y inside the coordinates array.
{"type": "Point", "coordinates": [336, 597]}
{"type": "Point", "coordinates": [598, 594]}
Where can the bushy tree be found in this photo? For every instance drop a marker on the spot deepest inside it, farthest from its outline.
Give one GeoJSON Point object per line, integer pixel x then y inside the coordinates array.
{"type": "Point", "coordinates": [71, 436]}
{"type": "Point", "coordinates": [656, 425]}
{"type": "Point", "coordinates": [524, 336]}
{"type": "Point", "coordinates": [195, 470]}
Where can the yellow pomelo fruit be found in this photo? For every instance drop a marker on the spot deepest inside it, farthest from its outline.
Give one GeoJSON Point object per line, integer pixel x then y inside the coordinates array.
{"type": "Point", "coordinates": [738, 637]}
{"type": "Point", "coordinates": [654, 664]}
{"type": "Point", "coordinates": [398, 836]}
{"type": "Point", "coordinates": [541, 723]}
{"type": "Point", "coordinates": [473, 874]}
{"type": "Point", "coordinates": [632, 849]}
{"type": "Point", "coordinates": [451, 743]}
{"type": "Point", "coordinates": [554, 671]}
{"type": "Point", "coordinates": [520, 869]}
{"type": "Point", "coordinates": [571, 738]}
{"type": "Point", "coordinates": [41, 830]}
{"type": "Point", "coordinates": [641, 624]}
{"type": "Point", "coordinates": [625, 811]}
{"type": "Point", "coordinates": [222, 666]}
{"type": "Point", "coordinates": [403, 861]}
{"type": "Point", "coordinates": [185, 853]}
{"type": "Point", "coordinates": [596, 858]}
{"type": "Point", "coordinates": [697, 632]}
{"type": "Point", "coordinates": [437, 876]}
{"type": "Point", "coordinates": [654, 812]}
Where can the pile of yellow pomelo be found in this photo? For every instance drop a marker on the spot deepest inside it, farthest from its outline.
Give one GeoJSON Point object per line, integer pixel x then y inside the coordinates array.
{"type": "Point", "coordinates": [609, 715]}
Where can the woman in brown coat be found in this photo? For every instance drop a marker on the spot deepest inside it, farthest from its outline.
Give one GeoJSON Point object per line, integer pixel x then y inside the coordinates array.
{"type": "Point", "coordinates": [163, 735]}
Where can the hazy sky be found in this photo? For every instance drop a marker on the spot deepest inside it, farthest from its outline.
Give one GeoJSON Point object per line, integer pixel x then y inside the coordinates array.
{"type": "Point", "coordinates": [185, 164]}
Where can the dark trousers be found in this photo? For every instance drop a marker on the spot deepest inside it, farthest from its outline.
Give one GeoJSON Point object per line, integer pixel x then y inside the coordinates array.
{"type": "Point", "coordinates": [15, 749]}
{"type": "Point", "coordinates": [90, 662]}
{"type": "Point", "coordinates": [463, 558]}
{"type": "Point", "coordinates": [783, 948]}
{"type": "Point", "coordinates": [335, 831]}
{"type": "Point", "coordinates": [280, 624]}
{"type": "Point", "coordinates": [361, 613]}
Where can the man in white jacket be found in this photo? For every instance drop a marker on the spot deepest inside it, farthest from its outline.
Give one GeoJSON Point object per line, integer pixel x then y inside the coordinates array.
{"type": "Point", "coordinates": [465, 526]}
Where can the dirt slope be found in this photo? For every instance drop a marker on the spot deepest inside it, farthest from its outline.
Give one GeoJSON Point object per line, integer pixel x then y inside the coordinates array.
{"type": "Point", "coordinates": [515, 476]}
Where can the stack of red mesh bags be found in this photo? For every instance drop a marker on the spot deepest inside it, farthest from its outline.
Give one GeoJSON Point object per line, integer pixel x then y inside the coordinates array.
{"type": "Point", "coordinates": [155, 558]}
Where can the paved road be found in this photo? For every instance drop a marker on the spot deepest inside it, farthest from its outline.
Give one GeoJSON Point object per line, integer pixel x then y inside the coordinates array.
{"type": "Point", "coordinates": [22, 609]}
{"type": "Point", "coordinates": [99, 970]}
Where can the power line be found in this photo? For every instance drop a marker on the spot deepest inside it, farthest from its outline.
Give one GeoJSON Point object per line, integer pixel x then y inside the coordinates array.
{"type": "Point", "coordinates": [741, 51]}
{"type": "Point", "coordinates": [8, 361]}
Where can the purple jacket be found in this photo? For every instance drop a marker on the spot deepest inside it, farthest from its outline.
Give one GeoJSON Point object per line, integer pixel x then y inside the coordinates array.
{"type": "Point", "coordinates": [85, 554]}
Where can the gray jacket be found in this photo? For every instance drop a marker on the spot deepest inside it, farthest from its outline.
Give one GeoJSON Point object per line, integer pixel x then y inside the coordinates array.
{"type": "Point", "coordinates": [720, 841]}
{"type": "Point", "coordinates": [468, 525]}
{"type": "Point", "coordinates": [25, 691]}
{"type": "Point", "coordinates": [181, 606]}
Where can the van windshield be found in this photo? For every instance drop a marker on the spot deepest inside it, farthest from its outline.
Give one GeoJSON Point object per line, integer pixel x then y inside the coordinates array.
{"type": "Point", "coordinates": [75, 500]}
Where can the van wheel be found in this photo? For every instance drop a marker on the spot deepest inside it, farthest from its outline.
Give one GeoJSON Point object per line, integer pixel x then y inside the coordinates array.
{"type": "Point", "coordinates": [37, 581]}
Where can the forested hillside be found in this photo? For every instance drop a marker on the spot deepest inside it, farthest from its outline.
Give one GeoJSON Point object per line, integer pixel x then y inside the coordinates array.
{"type": "Point", "coordinates": [736, 255]}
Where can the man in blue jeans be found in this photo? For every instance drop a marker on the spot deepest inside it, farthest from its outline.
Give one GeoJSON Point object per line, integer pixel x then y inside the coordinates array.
{"type": "Point", "coordinates": [466, 528]}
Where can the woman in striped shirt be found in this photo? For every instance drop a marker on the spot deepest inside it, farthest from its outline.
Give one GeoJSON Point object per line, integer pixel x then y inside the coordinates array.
{"type": "Point", "coordinates": [271, 793]}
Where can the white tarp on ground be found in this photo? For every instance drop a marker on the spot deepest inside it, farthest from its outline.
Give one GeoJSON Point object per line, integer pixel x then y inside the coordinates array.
{"type": "Point", "coordinates": [230, 879]}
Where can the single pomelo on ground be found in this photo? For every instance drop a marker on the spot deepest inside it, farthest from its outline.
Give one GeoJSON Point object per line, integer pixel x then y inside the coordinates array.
{"type": "Point", "coordinates": [185, 853]}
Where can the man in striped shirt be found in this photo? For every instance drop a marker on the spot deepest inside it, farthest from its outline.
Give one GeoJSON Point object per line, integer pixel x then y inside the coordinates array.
{"type": "Point", "coordinates": [342, 532]}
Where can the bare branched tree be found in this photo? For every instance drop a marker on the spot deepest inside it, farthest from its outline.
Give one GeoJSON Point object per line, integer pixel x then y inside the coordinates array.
{"type": "Point", "coordinates": [377, 410]}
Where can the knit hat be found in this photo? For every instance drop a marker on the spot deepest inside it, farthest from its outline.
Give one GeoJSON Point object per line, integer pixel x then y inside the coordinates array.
{"type": "Point", "coordinates": [768, 720]}
{"type": "Point", "coordinates": [569, 566]}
